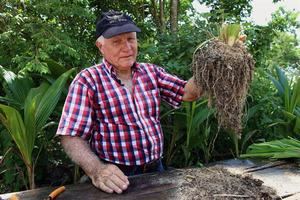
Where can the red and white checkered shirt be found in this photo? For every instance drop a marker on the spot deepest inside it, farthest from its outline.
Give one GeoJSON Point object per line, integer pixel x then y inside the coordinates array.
{"type": "Point", "coordinates": [122, 127]}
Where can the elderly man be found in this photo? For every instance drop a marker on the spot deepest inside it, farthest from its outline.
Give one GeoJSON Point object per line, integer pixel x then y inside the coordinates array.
{"type": "Point", "coordinates": [110, 122]}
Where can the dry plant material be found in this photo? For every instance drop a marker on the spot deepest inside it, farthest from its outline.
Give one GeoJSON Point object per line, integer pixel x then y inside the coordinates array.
{"type": "Point", "coordinates": [219, 184]}
{"type": "Point", "coordinates": [223, 68]}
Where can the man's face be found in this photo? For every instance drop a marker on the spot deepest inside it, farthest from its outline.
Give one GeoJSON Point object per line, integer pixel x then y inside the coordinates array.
{"type": "Point", "coordinates": [120, 50]}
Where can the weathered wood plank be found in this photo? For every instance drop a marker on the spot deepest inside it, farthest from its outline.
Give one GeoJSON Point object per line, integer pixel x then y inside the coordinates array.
{"type": "Point", "coordinates": [143, 187]}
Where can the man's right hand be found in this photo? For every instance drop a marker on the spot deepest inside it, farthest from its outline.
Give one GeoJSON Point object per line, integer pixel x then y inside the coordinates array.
{"type": "Point", "coordinates": [110, 178]}
{"type": "Point", "coordinates": [107, 177]}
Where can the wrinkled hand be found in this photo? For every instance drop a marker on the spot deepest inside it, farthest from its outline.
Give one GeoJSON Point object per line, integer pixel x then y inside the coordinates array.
{"type": "Point", "coordinates": [109, 178]}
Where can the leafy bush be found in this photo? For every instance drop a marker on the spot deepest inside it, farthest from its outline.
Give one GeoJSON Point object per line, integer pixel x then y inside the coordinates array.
{"type": "Point", "coordinates": [34, 32]}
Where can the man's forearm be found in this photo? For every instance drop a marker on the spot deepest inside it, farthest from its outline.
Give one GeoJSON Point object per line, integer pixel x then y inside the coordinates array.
{"type": "Point", "coordinates": [107, 177]}
{"type": "Point", "coordinates": [191, 91]}
{"type": "Point", "coordinates": [79, 151]}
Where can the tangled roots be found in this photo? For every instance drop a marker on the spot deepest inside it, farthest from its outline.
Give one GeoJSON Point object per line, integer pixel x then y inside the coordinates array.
{"type": "Point", "coordinates": [224, 73]}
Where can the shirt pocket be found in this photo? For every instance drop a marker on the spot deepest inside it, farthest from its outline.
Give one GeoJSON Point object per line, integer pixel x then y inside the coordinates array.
{"type": "Point", "coordinates": [150, 104]}
{"type": "Point", "coordinates": [115, 110]}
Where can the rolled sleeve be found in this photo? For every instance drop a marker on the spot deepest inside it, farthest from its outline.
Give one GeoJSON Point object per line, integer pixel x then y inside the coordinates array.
{"type": "Point", "coordinates": [76, 119]}
{"type": "Point", "coordinates": [171, 87]}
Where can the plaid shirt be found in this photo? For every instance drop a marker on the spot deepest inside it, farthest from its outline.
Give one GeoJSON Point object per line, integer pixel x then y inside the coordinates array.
{"type": "Point", "coordinates": [122, 127]}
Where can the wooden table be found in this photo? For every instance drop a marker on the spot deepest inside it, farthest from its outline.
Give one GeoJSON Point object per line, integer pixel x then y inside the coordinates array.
{"type": "Point", "coordinates": [139, 189]}
{"type": "Point", "coordinates": [282, 176]}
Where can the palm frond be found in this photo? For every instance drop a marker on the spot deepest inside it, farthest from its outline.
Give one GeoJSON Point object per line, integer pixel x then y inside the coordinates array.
{"type": "Point", "coordinates": [18, 86]}
{"type": "Point", "coordinates": [284, 148]}
{"type": "Point", "coordinates": [13, 122]}
{"type": "Point", "coordinates": [50, 99]}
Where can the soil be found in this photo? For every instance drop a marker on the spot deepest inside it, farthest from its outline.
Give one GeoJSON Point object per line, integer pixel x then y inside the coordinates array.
{"type": "Point", "coordinates": [216, 183]}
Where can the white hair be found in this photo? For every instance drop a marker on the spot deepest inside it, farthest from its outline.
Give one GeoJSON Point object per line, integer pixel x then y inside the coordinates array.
{"type": "Point", "coordinates": [100, 39]}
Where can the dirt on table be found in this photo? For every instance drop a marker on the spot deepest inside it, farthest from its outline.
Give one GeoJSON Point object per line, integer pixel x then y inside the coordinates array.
{"type": "Point", "coordinates": [216, 183]}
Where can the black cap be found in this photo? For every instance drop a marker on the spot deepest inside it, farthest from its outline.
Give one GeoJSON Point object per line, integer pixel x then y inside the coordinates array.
{"type": "Point", "coordinates": [113, 23]}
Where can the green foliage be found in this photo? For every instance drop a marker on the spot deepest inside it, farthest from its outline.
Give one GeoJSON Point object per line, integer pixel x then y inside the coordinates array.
{"type": "Point", "coordinates": [283, 20]}
{"type": "Point", "coordinates": [38, 106]}
{"type": "Point", "coordinates": [284, 51]}
{"type": "Point", "coordinates": [228, 10]}
{"type": "Point", "coordinates": [264, 119]}
{"type": "Point", "coordinates": [198, 135]}
{"type": "Point", "coordinates": [146, 13]}
{"type": "Point", "coordinates": [35, 31]}
{"type": "Point", "coordinates": [177, 58]}
{"type": "Point", "coordinates": [190, 133]}
{"type": "Point", "coordinates": [15, 88]}
{"type": "Point", "coordinates": [277, 149]}
{"type": "Point", "coordinates": [260, 111]}
{"type": "Point", "coordinates": [261, 38]}
{"type": "Point", "coordinates": [11, 177]}
{"type": "Point", "coordinates": [289, 92]}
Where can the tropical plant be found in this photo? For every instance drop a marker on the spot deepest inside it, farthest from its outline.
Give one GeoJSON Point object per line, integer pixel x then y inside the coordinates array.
{"type": "Point", "coordinates": [38, 105]}
{"type": "Point", "coordinates": [289, 92]}
{"type": "Point", "coordinates": [277, 149]}
{"type": "Point", "coordinates": [259, 112]}
{"type": "Point", "coordinates": [198, 129]}
{"type": "Point", "coordinates": [239, 144]}
{"type": "Point", "coordinates": [193, 135]}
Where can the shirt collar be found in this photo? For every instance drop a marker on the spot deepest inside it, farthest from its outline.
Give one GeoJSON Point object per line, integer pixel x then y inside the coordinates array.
{"type": "Point", "coordinates": [110, 68]}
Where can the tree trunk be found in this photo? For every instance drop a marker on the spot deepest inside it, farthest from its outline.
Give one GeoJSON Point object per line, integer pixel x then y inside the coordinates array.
{"type": "Point", "coordinates": [153, 11]}
{"type": "Point", "coordinates": [161, 15]}
{"type": "Point", "coordinates": [174, 15]}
